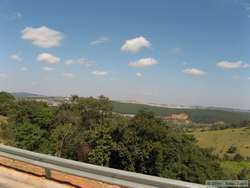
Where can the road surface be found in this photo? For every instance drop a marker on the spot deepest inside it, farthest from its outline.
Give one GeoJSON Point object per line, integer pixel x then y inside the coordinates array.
{"type": "Point", "coordinates": [10, 178]}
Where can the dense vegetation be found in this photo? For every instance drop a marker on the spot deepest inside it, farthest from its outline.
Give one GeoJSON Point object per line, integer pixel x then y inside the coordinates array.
{"type": "Point", "coordinates": [196, 115]}
{"type": "Point", "coordinates": [85, 129]}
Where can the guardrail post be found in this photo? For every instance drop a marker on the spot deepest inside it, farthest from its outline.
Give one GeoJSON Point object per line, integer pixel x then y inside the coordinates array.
{"type": "Point", "coordinates": [47, 173]}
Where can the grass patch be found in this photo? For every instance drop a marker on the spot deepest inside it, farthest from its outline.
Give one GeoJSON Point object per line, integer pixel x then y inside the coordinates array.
{"type": "Point", "coordinates": [235, 166]}
{"type": "Point", "coordinates": [221, 140]}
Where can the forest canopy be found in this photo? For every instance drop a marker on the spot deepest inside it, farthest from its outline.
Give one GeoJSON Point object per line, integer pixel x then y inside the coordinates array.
{"type": "Point", "coordinates": [86, 129]}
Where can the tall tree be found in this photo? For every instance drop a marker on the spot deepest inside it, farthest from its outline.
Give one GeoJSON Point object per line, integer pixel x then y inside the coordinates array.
{"type": "Point", "coordinates": [6, 104]}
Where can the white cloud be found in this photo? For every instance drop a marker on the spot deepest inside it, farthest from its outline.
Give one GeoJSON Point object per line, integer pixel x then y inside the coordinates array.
{"type": "Point", "coordinates": [232, 64]}
{"type": "Point", "coordinates": [43, 37]}
{"type": "Point", "coordinates": [24, 69]}
{"type": "Point", "coordinates": [48, 69]}
{"type": "Point", "coordinates": [145, 62]}
{"type": "Point", "coordinates": [194, 72]}
{"type": "Point", "coordinates": [3, 76]}
{"type": "Point", "coordinates": [248, 78]}
{"type": "Point", "coordinates": [135, 44]}
{"type": "Point", "coordinates": [100, 73]}
{"type": "Point", "coordinates": [48, 58]}
{"type": "Point", "coordinates": [15, 57]}
{"type": "Point", "coordinates": [139, 74]}
{"type": "Point", "coordinates": [100, 40]}
{"type": "Point", "coordinates": [81, 61]}
{"type": "Point", "coordinates": [68, 75]}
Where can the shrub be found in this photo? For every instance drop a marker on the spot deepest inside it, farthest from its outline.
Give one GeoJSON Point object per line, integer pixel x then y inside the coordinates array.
{"type": "Point", "coordinates": [238, 157]}
{"type": "Point", "coordinates": [232, 149]}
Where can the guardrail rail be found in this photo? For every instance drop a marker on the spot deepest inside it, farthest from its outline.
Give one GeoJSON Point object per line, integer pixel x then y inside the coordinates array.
{"type": "Point", "coordinates": [93, 172]}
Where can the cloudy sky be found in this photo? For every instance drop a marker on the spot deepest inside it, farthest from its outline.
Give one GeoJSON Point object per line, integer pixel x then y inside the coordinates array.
{"type": "Point", "coordinates": [164, 51]}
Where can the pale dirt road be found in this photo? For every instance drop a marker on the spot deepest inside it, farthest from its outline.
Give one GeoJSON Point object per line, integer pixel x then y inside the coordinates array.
{"type": "Point", "coordinates": [10, 178]}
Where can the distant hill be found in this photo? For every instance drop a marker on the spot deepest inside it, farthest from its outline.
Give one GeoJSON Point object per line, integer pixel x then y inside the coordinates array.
{"type": "Point", "coordinates": [25, 95]}
{"type": "Point", "coordinates": [198, 115]}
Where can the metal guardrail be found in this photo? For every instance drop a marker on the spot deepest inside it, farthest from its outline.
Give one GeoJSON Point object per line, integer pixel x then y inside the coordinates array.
{"type": "Point", "coordinates": [93, 172]}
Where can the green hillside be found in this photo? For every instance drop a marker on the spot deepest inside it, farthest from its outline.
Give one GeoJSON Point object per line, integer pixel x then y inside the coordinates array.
{"type": "Point", "coordinates": [235, 166]}
{"type": "Point", "coordinates": [24, 95]}
{"type": "Point", "coordinates": [196, 115]}
{"type": "Point", "coordinates": [221, 140]}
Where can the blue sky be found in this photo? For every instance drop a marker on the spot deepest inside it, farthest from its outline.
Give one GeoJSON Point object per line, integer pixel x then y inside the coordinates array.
{"type": "Point", "coordinates": [165, 51]}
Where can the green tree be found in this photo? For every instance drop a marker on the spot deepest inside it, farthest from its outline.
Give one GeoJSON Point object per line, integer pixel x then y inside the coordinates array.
{"type": "Point", "coordinates": [238, 157]}
{"type": "Point", "coordinates": [146, 145]}
{"type": "Point", "coordinates": [36, 113]}
{"type": "Point", "coordinates": [6, 103]}
{"type": "Point", "coordinates": [94, 111]}
{"type": "Point", "coordinates": [87, 130]}
{"type": "Point", "coordinates": [60, 136]}
{"type": "Point", "coordinates": [6, 97]}
{"type": "Point", "coordinates": [74, 98]}
{"type": "Point", "coordinates": [29, 136]}
{"type": "Point", "coordinates": [244, 174]}
{"type": "Point", "coordinates": [232, 149]}
{"type": "Point", "coordinates": [67, 114]}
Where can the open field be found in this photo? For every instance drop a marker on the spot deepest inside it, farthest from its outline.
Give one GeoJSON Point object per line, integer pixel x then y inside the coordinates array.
{"type": "Point", "coordinates": [235, 167]}
{"type": "Point", "coordinates": [196, 115]}
{"type": "Point", "coordinates": [221, 140]}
